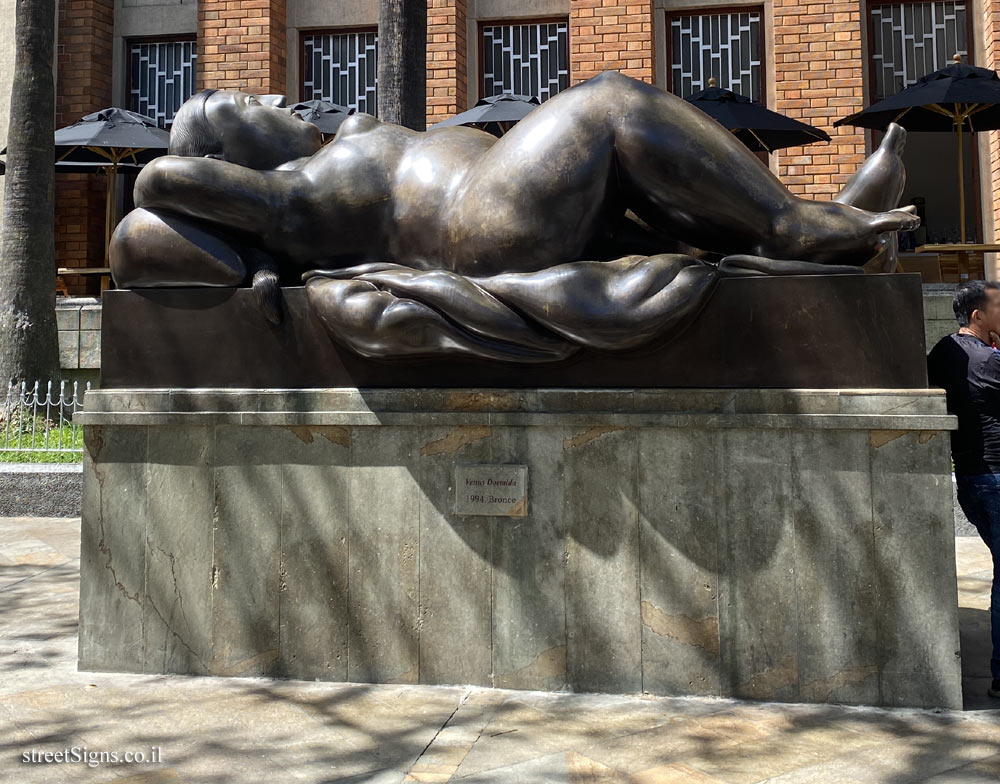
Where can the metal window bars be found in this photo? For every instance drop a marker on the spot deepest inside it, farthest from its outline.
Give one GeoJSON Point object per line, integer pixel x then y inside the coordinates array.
{"type": "Point", "coordinates": [725, 46]}
{"type": "Point", "coordinates": [526, 59]}
{"type": "Point", "coordinates": [910, 40]}
{"type": "Point", "coordinates": [161, 77]}
{"type": "Point", "coordinates": [341, 68]}
{"type": "Point", "coordinates": [36, 419]}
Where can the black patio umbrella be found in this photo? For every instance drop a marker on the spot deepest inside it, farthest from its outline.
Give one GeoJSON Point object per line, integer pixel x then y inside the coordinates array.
{"type": "Point", "coordinates": [496, 114]}
{"type": "Point", "coordinates": [949, 99]}
{"type": "Point", "coordinates": [113, 138]}
{"type": "Point", "coordinates": [324, 115]}
{"type": "Point", "coordinates": [756, 126]}
{"type": "Point", "coordinates": [110, 137]}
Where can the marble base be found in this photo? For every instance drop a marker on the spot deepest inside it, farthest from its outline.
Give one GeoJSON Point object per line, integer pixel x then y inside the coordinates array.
{"type": "Point", "coordinates": [788, 545]}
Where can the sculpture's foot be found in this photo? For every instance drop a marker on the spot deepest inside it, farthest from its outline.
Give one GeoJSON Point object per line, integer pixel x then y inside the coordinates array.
{"type": "Point", "coordinates": [834, 233]}
{"type": "Point", "coordinates": [878, 184]}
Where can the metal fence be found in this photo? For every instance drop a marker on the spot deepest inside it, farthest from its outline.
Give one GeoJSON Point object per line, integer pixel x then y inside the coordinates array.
{"type": "Point", "coordinates": [37, 419]}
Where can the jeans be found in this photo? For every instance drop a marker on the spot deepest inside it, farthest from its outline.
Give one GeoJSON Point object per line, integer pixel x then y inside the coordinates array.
{"type": "Point", "coordinates": [979, 497]}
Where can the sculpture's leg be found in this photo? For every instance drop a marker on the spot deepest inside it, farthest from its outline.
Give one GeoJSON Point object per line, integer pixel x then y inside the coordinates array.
{"type": "Point", "coordinates": [156, 248]}
{"type": "Point", "coordinates": [686, 175]}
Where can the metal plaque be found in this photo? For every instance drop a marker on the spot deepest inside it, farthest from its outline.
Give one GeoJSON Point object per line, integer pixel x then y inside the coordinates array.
{"type": "Point", "coordinates": [494, 490]}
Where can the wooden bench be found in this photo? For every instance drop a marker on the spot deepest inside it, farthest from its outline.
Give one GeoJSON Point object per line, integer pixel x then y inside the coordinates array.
{"type": "Point", "coordinates": [961, 261]}
{"type": "Point", "coordinates": [65, 272]}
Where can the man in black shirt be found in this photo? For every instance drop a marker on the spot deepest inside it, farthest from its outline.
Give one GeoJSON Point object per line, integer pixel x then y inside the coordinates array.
{"type": "Point", "coordinates": [968, 367]}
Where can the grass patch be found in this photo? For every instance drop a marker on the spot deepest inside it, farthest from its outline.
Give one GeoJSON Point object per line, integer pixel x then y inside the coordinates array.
{"type": "Point", "coordinates": [29, 433]}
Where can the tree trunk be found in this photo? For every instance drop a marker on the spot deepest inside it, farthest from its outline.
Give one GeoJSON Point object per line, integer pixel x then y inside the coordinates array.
{"type": "Point", "coordinates": [402, 62]}
{"type": "Point", "coordinates": [29, 348]}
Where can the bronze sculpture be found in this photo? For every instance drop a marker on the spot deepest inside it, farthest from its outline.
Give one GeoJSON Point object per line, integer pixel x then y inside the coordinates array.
{"type": "Point", "coordinates": [451, 241]}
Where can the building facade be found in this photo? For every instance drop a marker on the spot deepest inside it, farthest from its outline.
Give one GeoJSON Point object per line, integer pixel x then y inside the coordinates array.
{"type": "Point", "coordinates": [816, 62]}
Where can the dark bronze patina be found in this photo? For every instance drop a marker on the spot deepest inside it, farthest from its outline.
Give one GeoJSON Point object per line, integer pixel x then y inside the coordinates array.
{"type": "Point", "coordinates": [800, 332]}
{"type": "Point", "coordinates": [453, 242]}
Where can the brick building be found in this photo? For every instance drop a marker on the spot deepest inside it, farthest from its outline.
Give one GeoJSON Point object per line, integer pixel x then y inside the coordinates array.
{"type": "Point", "coordinates": [816, 62]}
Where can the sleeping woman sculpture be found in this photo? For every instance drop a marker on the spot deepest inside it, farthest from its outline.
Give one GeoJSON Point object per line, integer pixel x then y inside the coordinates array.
{"type": "Point", "coordinates": [564, 233]}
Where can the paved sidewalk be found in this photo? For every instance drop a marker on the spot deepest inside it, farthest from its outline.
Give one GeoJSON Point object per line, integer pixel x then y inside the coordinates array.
{"type": "Point", "coordinates": [252, 731]}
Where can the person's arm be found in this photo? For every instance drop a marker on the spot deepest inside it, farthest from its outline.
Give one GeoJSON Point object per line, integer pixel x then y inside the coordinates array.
{"type": "Point", "coordinates": [989, 378]}
{"type": "Point", "coordinates": [216, 191]}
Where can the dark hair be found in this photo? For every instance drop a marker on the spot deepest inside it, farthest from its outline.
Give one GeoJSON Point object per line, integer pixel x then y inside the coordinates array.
{"type": "Point", "coordinates": [969, 297]}
{"type": "Point", "coordinates": [191, 134]}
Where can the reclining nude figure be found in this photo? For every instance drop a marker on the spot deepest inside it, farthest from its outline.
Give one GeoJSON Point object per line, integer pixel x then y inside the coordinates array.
{"type": "Point", "coordinates": [454, 242]}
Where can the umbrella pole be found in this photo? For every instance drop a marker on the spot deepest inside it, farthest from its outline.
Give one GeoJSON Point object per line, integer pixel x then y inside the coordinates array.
{"type": "Point", "coordinates": [112, 187]}
{"type": "Point", "coordinates": [961, 178]}
{"type": "Point", "coordinates": [107, 216]}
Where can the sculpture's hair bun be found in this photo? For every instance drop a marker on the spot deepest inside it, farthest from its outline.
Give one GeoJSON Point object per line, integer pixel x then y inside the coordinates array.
{"type": "Point", "coordinates": [191, 134]}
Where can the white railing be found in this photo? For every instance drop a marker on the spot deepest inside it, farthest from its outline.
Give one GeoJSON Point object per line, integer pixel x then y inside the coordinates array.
{"type": "Point", "coordinates": [40, 419]}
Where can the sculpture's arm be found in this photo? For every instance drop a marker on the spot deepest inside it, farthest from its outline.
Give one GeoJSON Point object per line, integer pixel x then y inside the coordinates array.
{"type": "Point", "coordinates": [215, 191]}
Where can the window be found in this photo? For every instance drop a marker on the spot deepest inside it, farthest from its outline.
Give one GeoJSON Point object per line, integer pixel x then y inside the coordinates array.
{"type": "Point", "coordinates": [341, 68]}
{"type": "Point", "coordinates": [727, 46]}
{"type": "Point", "coordinates": [161, 77]}
{"type": "Point", "coordinates": [911, 40]}
{"type": "Point", "coordinates": [525, 59]}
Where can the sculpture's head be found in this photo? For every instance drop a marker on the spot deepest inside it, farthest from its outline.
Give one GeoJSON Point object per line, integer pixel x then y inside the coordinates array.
{"type": "Point", "coordinates": [250, 130]}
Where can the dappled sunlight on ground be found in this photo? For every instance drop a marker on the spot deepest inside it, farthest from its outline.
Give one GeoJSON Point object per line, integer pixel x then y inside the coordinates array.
{"type": "Point", "coordinates": [257, 730]}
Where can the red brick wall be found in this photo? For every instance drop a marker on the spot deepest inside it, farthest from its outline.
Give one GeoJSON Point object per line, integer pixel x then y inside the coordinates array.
{"type": "Point", "coordinates": [447, 49]}
{"type": "Point", "coordinates": [610, 35]}
{"type": "Point", "coordinates": [83, 53]}
{"type": "Point", "coordinates": [241, 45]}
{"type": "Point", "coordinates": [818, 64]}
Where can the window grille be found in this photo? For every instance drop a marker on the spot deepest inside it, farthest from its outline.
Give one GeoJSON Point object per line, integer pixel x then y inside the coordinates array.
{"type": "Point", "coordinates": [526, 59]}
{"type": "Point", "coordinates": [726, 46]}
{"type": "Point", "coordinates": [161, 77]}
{"type": "Point", "coordinates": [341, 68]}
{"type": "Point", "coordinates": [910, 40]}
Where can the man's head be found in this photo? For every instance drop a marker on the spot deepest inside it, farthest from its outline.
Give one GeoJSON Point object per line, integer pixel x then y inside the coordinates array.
{"type": "Point", "coordinates": [977, 306]}
{"type": "Point", "coordinates": [248, 130]}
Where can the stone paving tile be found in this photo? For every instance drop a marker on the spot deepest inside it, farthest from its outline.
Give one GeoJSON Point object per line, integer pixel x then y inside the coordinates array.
{"type": "Point", "coordinates": [672, 774]}
{"type": "Point", "coordinates": [246, 731]}
{"type": "Point", "coordinates": [972, 554]}
{"type": "Point", "coordinates": [915, 759]}
{"type": "Point", "coordinates": [985, 771]}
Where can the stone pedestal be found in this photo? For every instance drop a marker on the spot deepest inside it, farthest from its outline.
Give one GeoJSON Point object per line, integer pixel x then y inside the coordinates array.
{"type": "Point", "coordinates": [765, 544]}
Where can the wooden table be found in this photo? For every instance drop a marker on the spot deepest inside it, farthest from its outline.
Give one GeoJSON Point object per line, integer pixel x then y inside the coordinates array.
{"type": "Point", "coordinates": [961, 261]}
